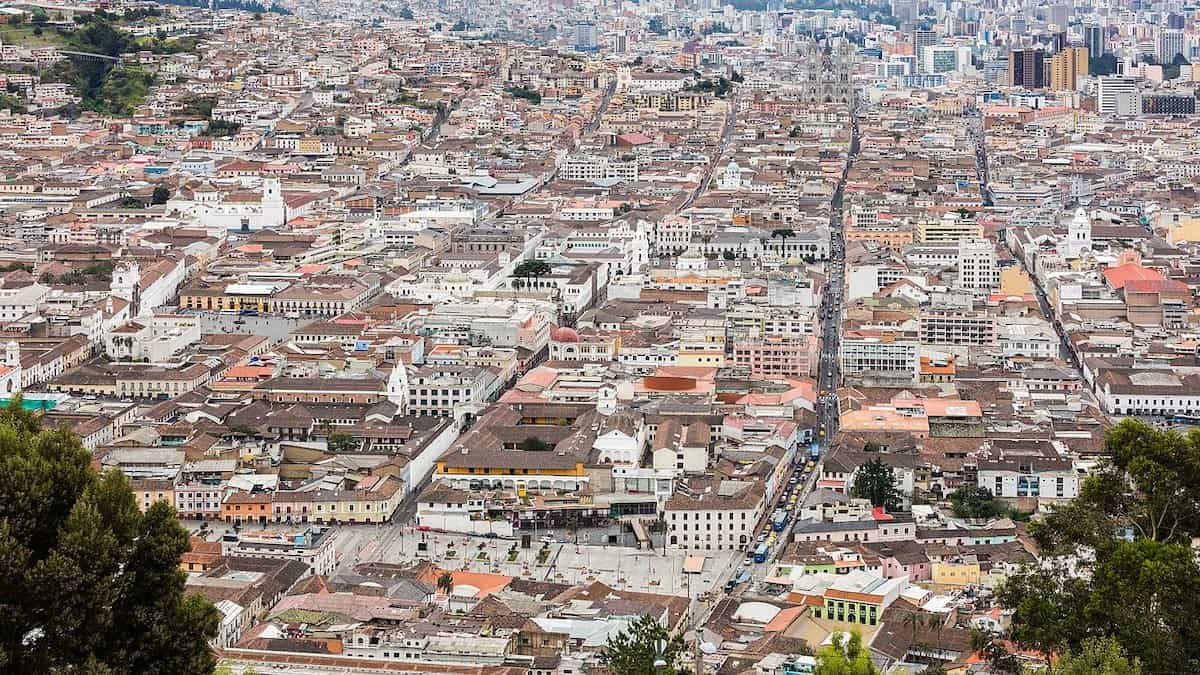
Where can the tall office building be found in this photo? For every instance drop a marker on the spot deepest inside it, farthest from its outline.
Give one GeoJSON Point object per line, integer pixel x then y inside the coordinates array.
{"type": "Point", "coordinates": [1058, 15]}
{"type": "Point", "coordinates": [586, 37]}
{"type": "Point", "coordinates": [1170, 45]}
{"type": "Point", "coordinates": [1027, 68]}
{"type": "Point", "coordinates": [1066, 67]}
{"type": "Point", "coordinates": [1093, 39]}
{"type": "Point", "coordinates": [922, 39]}
{"type": "Point", "coordinates": [1058, 41]}
{"type": "Point", "coordinates": [1117, 96]}
{"type": "Point", "coordinates": [940, 59]}
{"type": "Point", "coordinates": [906, 12]}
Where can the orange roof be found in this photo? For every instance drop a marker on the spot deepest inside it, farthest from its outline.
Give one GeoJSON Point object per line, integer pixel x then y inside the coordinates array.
{"type": "Point", "coordinates": [930, 368]}
{"type": "Point", "coordinates": [249, 371]}
{"type": "Point", "coordinates": [1120, 275]}
{"type": "Point", "coordinates": [783, 619]}
{"type": "Point", "coordinates": [486, 583]}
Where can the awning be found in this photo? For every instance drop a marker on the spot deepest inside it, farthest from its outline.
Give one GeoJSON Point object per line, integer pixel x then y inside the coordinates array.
{"type": "Point", "coordinates": [693, 564]}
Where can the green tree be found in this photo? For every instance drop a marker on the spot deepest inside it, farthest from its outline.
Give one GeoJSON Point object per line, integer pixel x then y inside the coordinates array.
{"type": "Point", "coordinates": [1130, 531]}
{"type": "Point", "coordinates": [644, 648]}
{"type": "Point", "coordinates": [532, 269]}
{"type": "Point", "coordinates": [535, 444]}
{"type": "Point", "coordinates": [783, 234]}
{"type": "Point", "coordinates": [340, 442]}
{"type": "Point", "coordinates": [970, 501]}
{"type": "Point", "coordinates": [161, 194]}
{"type": "Point", "coordinates": [1098, 656]}
{"type": "Point", "coordinates": [876, 481]}
{"type": "Point", "coordinates": [845, 657]}
{"type": "Point", "coordinates": [87, 582]}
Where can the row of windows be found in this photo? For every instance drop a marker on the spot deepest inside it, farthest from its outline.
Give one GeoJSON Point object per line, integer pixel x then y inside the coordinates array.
{"type": "Point", "coordinates": [707, 515]}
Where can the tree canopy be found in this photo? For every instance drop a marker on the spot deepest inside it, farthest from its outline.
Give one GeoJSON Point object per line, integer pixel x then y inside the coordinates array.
{"type": "Point", "coordinates": [1119, 562]}
{"type": "Point", "coordinates": [970, 501]}
{"type": "Point", "coordinates": [87, 582]}
{"type": "Point", "coordinates": [634, 650]}
{"type": "Point", "coordinates": [532, 268]}
{"type": "Point", "coordinates": [876, 481]}
{"type": "Point", "coordinates": [845, 656]}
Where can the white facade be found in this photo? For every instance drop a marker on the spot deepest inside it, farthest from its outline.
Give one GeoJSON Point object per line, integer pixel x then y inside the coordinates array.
{"type": "Point", "coordinates": [312, 547]}
{"type": "Point", "coordinates": [595, 168]}
{"type": "Point", "coordinates": [711, 529]}
{"type": "Point", "coordinates": [1057, 483]}
{"type": "Point", "coordinates": [1079, 234]}
{"type": "Point", "coordinates": [20, 302]}
{"type": "Point", "coordinates": [977, 268]}
{"type": "Point", "coordinates": [862, 354]}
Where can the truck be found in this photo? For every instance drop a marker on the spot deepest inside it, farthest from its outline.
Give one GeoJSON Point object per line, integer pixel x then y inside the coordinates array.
{"type": "Point", "coordinates": [760, 553]}
{"type": "Point", "coordinates": [779, 520]}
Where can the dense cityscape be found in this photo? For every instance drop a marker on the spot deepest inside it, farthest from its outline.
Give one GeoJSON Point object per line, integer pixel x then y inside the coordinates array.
{"type": "Point", "coordinates": [552, 337]}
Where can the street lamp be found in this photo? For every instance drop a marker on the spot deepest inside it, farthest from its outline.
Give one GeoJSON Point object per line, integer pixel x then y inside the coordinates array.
{"type": "Point", "coordinates": [660, 652]}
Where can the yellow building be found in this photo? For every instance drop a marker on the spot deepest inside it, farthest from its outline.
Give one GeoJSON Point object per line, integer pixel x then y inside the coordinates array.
{"type": "Point", "coordinates": [1066, 67]}
{"type": "Point", "coordinates": [888, 237]}
{"type": "Point", "coordinates": [1014, 281]}
{"type": "Point", "coordinates": [949, 229]}
{"type": "Point", "coordinates": [147, 491]}
{"type": "Point", "coordinates": [701, 355]}
{"type": "Point", "coordinates": [1180, 226]}
{"type": "Point", "coordinates": [955, 574]}
{"type": "Point", "coordinates": [471, 468]}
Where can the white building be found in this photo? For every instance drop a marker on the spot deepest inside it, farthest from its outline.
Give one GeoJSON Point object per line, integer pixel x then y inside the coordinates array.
{"type": "Point", "coordinates": [153, 339]}
{"type": "Point", "coordinates": [450, 391]}
{"type": "Point", "coordinates": [1041, 477]}
{"type": "Point", "coordinates": [597, 167]}
{"type": "Point", "coordinates": [243, 211]}
{"type": "Point", "coordinates": [1079, 234]}
{"type": "Point", "coordinates": [873, 351]}
{"type": "Point", "coordinates": [10, 372]}
{"type": "Point", "coordinates": [311, 546]}
{"type": "Point", "coordinates": [713, 514]}
{"type": "Point", "coordinates": [19, 302]}
{"type": "Point", "coordinates": [1117, 96]}
{"type": "Point", "coordinates": [977, 268]}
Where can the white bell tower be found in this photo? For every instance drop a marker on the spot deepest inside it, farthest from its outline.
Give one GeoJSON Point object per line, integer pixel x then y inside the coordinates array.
{"type": "Point", "coordinates": [124, 284]}
{"type": "Point", "coordinates": [397, 388]}
{"type": "Point", "coordinates": [606, 400]}
{"type": "Point", "coordinates": [1079, 233]}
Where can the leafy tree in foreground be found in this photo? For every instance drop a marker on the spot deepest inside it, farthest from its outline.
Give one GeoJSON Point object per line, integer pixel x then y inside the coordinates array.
{"type": "Point", "coordinates": [876, 481]}
{"type": "Point", "coordinates": [634, 650]}
{"type": "Point", "coordinates": [845, 657]}
{"type": "Point", "coordinates": [87, 582]}
{"type": "Point", "coordinates": [1099, 656]}
{"type": "Point", "coordinates": [1129, 532]}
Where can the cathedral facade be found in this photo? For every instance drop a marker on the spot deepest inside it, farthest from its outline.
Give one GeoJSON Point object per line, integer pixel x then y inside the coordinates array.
{"type": "Point", "coordinates": [825, 71]}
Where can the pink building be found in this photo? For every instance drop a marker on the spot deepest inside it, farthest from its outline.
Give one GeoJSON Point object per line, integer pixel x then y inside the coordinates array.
{"type": "Point", "coordinates": [778, 357]}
